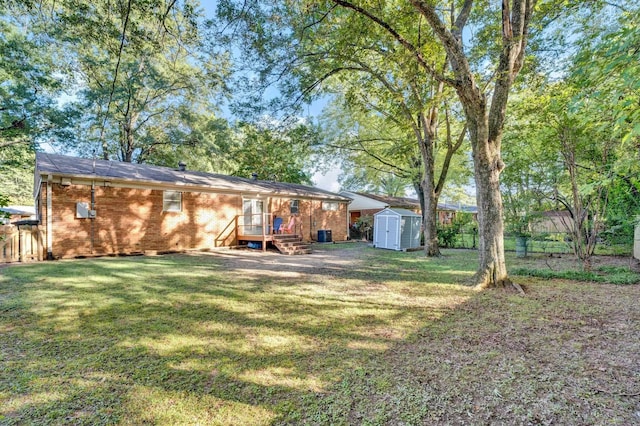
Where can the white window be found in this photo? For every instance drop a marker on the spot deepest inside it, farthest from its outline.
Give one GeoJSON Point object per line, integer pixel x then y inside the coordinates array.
{"type": "Point", "coordinates": [294, 206]}
{"type": "Point", "coordinates": [172, 201]}
{"type": "Point", "coordinates": [253, 216]}
{"type": "Point", "coordinates": [330, 205]}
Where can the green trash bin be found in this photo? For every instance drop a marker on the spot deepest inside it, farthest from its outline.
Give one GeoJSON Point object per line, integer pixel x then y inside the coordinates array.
{"type": "Point", "coordinates": [521, 246]}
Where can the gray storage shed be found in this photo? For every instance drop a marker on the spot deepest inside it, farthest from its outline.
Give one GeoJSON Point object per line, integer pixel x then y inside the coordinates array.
{"type": "Point", "coordinates": [396, 229]}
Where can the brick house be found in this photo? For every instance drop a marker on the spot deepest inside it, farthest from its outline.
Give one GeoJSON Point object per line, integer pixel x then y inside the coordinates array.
{"type": "Point", "coordinates": [96, 207]}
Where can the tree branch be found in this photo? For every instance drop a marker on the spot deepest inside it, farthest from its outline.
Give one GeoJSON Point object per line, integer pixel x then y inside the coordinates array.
{"type": "Point", "coordinates": [398, 37]}
{"type": "Point", "coordinates": [105, 153]}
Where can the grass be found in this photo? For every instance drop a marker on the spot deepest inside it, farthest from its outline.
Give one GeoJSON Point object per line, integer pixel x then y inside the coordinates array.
{"type": "Point", "coordinates": [365, 337]}
{"type": "Point", "coordinates": [561, 247]}
{"type": "Point", "coordinates": [613, 275]}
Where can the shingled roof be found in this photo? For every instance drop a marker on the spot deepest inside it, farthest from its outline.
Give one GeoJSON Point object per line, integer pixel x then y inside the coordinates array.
{"type": "Point", "coordinates": [66, 166]}
{"type": "Point", "coordinates": [399, 202]}
{"type": "Point", "coordinates": [412, 203]}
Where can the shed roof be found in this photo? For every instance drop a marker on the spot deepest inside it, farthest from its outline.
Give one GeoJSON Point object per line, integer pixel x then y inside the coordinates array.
{"type": "Point", "coordinates": [400, 212]}
{"type": "Point", "coordinates": [400, 202]}
{"type": "Point", "coordinates": [66, 166]}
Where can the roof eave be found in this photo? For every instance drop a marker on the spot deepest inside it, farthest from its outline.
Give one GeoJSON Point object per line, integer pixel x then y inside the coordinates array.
{"type": "Point", "coordinates": [187, 186]}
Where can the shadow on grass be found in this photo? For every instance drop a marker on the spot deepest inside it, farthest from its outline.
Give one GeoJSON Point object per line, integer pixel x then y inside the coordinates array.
{"type": "Point", "coordinates": [187, 339]}
{"type": "Point", "coordinates": [564, 354]}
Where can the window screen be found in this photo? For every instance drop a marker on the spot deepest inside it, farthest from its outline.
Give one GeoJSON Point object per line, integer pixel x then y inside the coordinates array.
{"type": "Point", "coordinates": [294, 206]}
{"type": "Point", "coordinates": [172, 201]}
{"type": "Point", "coordinates": [330, 205]}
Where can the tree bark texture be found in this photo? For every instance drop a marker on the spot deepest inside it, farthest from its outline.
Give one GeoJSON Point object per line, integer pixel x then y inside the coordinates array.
{"type": "Point", "coordinates": [430, 217]}
{"type": "Point", "coordinates": [492, 270]}
{"type": "Point", "coordinates": [430, 221]}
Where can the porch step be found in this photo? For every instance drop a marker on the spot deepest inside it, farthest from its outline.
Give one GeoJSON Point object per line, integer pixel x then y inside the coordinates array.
{"type": "Point", "coordinates": [290, 244]}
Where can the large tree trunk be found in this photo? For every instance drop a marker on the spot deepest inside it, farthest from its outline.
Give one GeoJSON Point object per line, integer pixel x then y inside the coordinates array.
{"type": "Point", "coordinates": [486, 121]}
{"type": "Point", "coordinates": [430, 208]}
{"type": "Point", "coordinates": [492, 270]}
{"type": "Point", "coordinates": [430, 221]}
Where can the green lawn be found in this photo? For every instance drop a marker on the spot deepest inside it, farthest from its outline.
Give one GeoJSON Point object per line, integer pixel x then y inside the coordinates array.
{"type": "Point", "coordinates": [382, 337]}
{"type": "Point", "coordinates": [561, 247]}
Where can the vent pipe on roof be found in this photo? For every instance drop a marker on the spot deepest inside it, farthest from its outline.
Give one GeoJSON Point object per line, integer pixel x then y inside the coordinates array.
{"type": "Point", "coordinates": [182, 166]}
{"type": "Point", "coordinates": [254, 176]}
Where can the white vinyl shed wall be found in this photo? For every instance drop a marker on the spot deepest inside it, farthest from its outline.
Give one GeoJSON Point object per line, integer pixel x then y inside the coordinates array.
{"type": "Point", "coordinates": [396, 229]}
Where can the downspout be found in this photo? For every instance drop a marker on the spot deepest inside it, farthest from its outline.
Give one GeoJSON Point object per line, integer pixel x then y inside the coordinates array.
{"type": "Point", "coordinates": [91, 214]}
{"type": "Point", "coordinates": [311, 220]}
{"type": "Point", "coordinates": [346, 209]}
{"type": "Point", "coordinates": [49, 220]}
{"type": "Point", "coordinates": [93, 206]}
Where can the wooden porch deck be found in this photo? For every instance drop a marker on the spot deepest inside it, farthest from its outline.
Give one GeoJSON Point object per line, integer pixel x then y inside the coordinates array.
{"type": "Point", "coordinates": [255, 237]}
{"type": "Point", "coordinates": [260, 228]}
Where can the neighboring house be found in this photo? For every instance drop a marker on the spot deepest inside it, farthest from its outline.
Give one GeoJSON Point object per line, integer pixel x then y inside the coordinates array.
{"type": "Point", "coordinates": [552, 221]}
{"type": "Point", "coordinates": [365, 204]}
{"type": "Point", "coordinates": [17, 213]}
{"type": "Point", "coordinates": [447, 212]}
{"type": "Point", "coordinates": [362, 205]}
{"type": "Point", "coordinates": [88, 207]}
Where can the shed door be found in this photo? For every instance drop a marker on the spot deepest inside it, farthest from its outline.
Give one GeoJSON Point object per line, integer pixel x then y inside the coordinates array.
{"type": "Point", "coordinates": [393, 233]}
{"type": "Point", "coordinates": [386, 232]}
{"type": "Point", "coordinates": [380, 232]}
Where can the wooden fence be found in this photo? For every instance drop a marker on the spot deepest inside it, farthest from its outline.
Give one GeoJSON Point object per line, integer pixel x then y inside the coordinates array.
{"type": "Point", "coordinates": [23, 243]}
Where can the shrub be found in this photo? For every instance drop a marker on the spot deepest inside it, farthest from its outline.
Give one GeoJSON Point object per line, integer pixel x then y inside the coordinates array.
{"type": "Point", "coordinates": [447, 236]}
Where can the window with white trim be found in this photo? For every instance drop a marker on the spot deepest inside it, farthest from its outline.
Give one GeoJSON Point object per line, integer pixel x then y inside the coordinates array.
{"type": "Point", "coordinates": [294, 206]}
{"type": "Point", "coordinates": [172, 201]}
{"type": "Point", "coordinates": [330, 205]}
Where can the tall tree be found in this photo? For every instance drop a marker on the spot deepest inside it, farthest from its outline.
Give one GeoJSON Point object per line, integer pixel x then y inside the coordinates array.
{"type": "Point", "coordinates": [484, 102]}
{"type": "Point", "coordinates": [273, 152]}
{"type": "Point", "coordinates": [376, 147]}
{"type": "Point", "coordinates": [29, 112]}
{"type": "Point", "coordinates": [145, 69]}
{"type": "Point", "coordinates": [28, 109]}
{"type": "Point", "coordinates": [331, 47]}
{"type": "Point", "coordinates": [606, 77]}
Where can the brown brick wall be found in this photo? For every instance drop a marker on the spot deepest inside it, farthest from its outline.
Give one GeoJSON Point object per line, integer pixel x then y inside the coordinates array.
{"type": "Point", "coordinates": [131, 220]}
{"type": "Point", "coordinates": [369, 212]}
{"type": "Point", "coordinates": [311, 218]}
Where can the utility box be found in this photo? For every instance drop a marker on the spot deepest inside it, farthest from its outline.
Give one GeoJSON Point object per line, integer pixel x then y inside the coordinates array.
{"type": "Point", "coordinates": [396, 229]}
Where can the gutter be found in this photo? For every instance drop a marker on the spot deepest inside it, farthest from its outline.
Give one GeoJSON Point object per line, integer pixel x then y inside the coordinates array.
{"type": "Point", "coordinates": [147, 184]}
